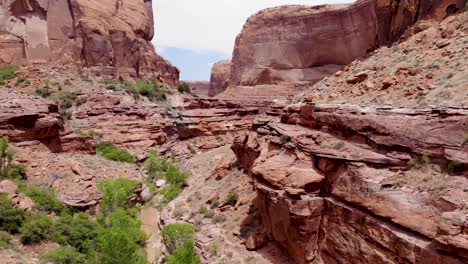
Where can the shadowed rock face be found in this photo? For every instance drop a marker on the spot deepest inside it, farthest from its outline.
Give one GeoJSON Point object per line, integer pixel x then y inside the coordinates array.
{"type": "Point", "coordinates": [109, 38]}
{"type": "Point", "coordinates": [219, 77]}
{"type": "Point", "coordinates": [344, 184]}
{"type": "Point", "coordinates": [295, 46]}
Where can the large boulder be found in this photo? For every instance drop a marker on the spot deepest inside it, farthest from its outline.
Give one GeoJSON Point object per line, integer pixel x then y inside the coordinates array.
{"type": "Point", "coordinates": [283, 49]}
{"type": "Point", "coordinates": [108, 38]}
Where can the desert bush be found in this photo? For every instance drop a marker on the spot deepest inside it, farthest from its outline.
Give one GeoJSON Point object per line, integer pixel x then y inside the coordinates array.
{"type": "Point", "coordinates": [117, 194]}
{"type": "Point", "coordinates": [78, 231]}
{"type": "Point", "coordinates": [11, 218]}
{"type": "Point", "coordinates": [219, 218]}
{"type": "Point", "coordinates": [63, 99]}
{"type": "Point", "coordinates": [183, 88]}
{"type": "Point", "coordinates": [455, 166]}
{"type": "Point", "coordinates": [170, 193]}
{"type": "Point", "coordinates": [5, 240]}
{"type": "Point", "coordinates": [285, 139]}
{"type": "Point", "coordinates": [232, 198]}
{"type": "Point", "coordinates": [21, 80]}
{"type": "Point", "coordinates": [45, 199]}
{"type": "Point", "coordinates": [43, 92]}
{"type": "Point", "coordinates": [36, 228]}
{"type": "Point", "coordinates": [184, 255]}
{"type": "Point", "coordinates": [64, 255]}
{"type": "Point", "coordinates": [7, 73]}
{"type": "Point", "coordinates": [9, 169]}
{"type": "Point", "coordinates": [176, 235]}
{"type": "Point", "coordinates": [152, 90]}
{"type": "Point", "coordinates": [111, 152]}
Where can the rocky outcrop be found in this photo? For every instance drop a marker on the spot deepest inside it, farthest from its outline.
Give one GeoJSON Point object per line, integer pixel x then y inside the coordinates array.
{"type": "Point", "coordinates": [108, 38]}
{"type": "Point", "coordinates": [219, 80]}
{"type": "Point", "coordinates": [346, 184]}
{"type": "Point", "coordinates": [136, 125]}
{"type": "Point", "coordinates": [282, 50]}
{"type": "Point", "coordinates": [24, 118]}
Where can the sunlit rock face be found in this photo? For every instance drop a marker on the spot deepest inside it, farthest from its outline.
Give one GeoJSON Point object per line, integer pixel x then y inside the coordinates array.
{"type": "Point", "coordinates": [283, 49]}
{"type": "Point", "coordinates": [219, 77]}
{"type": "Point", "coordinates": [109, 38]}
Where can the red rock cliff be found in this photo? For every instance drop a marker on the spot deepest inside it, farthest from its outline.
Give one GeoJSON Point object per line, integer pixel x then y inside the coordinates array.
{"type": "Point", "coordinates": [109, 38]}
{"type": "Point", "coordinates": [295, 46]}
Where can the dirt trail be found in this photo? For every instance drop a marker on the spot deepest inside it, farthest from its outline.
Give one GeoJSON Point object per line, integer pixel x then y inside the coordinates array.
{"type": "Point", "coordinates": [149, 217]}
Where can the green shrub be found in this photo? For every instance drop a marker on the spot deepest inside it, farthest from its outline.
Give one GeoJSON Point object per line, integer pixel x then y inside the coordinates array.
{"type": "Point", "coordinates": [90, 133]}
{"type": "Point", "coordinates": [176, 235]}
{"type": "Point", "coordinates": [5, 240]}
{"type": "Point", "coordinates": [7, 73]}
{"type": "Point", "coordinates": [339, 145]}
{"type": "Point", "coordinates": [232, 198]}
{"type": "Point", "coordinates": [116, 194]}
{"type": "Point", "coordinates": [219, 218]}
{"type": "Point", "coordinates": [111, 152]}
{"type": "Point", "coordinates": [63, 99]}
{"type": "Point", "coordinates": [121, 241]}
{"type": "Point", "coordinates": [207, 213]}
{"type": "Point", "coordinates": [36, 228]}
{"type": "Point", "coordinates": [43, 92]}
{"type": "Point", "coordinates": [285, 139]}
{"type": "Point", "coordinates": [184, 255]}
{"type": "Point", "coordinates": [175, 176]}
{"type": "Point", "coordinates": [152, 90]}
{"type": "Point", "coordinates": [9, 169]}
{"type": "Point", "coordinates": [455, 166]}
{"type": "Point", "coordinates": [78, 231]}
{"type": "Point", "coordinates": [45, 200]}
{"type": "Point", "coordinates": [11, 218]}
{"type": "Point", "coordinates": [183, 88]}
{"type": "Point", "coordinates": [170, 193]}
{"type": "Point", "coordinates": [21, 80]}
{"type": "Point", "coordinates": [64, 255]}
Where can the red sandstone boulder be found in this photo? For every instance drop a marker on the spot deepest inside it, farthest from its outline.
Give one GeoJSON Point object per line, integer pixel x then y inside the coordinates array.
{"type": "Point", "coordinates": [107, 38]}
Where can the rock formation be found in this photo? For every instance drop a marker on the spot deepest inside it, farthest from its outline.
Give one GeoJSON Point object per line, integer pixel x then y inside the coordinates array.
{"type": "Point", "coordinates": [282, 50]}
{"type": "Point", "coordinates": [108, 38]}
{"type": "Point", "coordinates": [344, 184]}
{"type": "Point", "coordinates": [220, 73]}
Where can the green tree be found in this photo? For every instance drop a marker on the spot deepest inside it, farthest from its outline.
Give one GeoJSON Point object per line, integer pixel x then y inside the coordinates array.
{"type": "Point", "coordinates": [116, 194]}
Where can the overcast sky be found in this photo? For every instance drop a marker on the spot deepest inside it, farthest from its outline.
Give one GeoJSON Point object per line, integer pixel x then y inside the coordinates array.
{"type": "Point", "coordinates": [206, 27]}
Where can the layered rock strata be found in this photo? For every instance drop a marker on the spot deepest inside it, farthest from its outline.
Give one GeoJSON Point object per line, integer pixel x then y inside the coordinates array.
{"type": "Point", "coordinates": [344, 184]}
{"type": "Point", "coordinates": [108, 38]}
{"type": "Point", "coordinates": [282, 50]}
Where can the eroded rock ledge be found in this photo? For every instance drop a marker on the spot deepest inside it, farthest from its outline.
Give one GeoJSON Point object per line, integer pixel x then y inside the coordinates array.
{"type": "Point", "coordinates": [370, 185]}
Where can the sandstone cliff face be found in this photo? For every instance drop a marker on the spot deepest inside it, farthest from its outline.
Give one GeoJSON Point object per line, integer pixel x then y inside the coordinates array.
{"type": "Point", "coordinates": [199, 87]}
{"type": "Point", "coordinates": [334, 184]}
{"type": "Point", "coordinates": [295, 46]}
{"type": "Point", "coordinates": [108, 38]}
{"type": "Point", "coordinates": [220, 73]}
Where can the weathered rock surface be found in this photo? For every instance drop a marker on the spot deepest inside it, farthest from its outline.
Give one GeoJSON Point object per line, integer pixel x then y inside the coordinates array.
{"type": "Point", "coordinates": [282, 50]}
{"type": "Point", "coordinates": [356, 182]}
{"type": "Point", "coordinates": [109, 38]}
{"type": "Point", "coordinates": [220, 73]}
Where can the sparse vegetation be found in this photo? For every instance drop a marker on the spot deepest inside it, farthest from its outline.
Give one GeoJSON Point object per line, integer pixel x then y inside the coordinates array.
{"type": "Point", "coordinates": [285, 139]}
{"type": "Point", "coordinates": [192, 149]}
{"type": "Point", "coordinates": [152, 90]}
{"type": "Point", "coordinates": [64, 255]}
{"type": "Point", "coordinates": [5, 240]}
{"type": "Point", "coordinates": [117, 194]}
{"type": "Point", "coordinates": [422, 162]}
{"type": "Point", "coordinates": [45, 199]}
{"type": "Point", "coordinates": [43, 92]}
{"type": "Point", "coordinates": [89, 133]}
{"type": "Point", "coordinates": [183, 88]}
{"type": "Point", "coordinates": [8, 168]}
{"type": "Point", "coordinates": [232, 198]}
{"type": "Point", "coordinates": [7, 73]}
{"type": "Point", "coordinates": [465, 139]}
{"type": "Point", "coordinates": [21, 80]}
{"type": "Point", "coordinates": [339, 145]}
{"type": "Point", "coordinates": [455, 166]}
{"type": "Point", "coordinates": [219, 218]}
{"type": "Point", "coordinates": [438, 188]}
{"type": "Point", "coordinates": [11, 218]}
{"type": "Point", "coordinates": [111, 152]}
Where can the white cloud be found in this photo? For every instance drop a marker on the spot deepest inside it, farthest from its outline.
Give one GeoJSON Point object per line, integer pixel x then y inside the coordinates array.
{"type": "Point", "coordinates": [209, 24]}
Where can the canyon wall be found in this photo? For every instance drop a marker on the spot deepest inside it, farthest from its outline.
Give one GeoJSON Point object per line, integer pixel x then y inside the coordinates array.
{"type": "Point", "coordinates": [110, 38]}
{"type": "Point", "coordinates": [219, 80]}
{"type": "Point", "coordinates": [283, 50]}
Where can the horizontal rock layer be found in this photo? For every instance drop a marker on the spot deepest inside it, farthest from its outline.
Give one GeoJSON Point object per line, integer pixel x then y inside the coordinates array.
{"type": "Point", "coordinates": [370, 185]}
